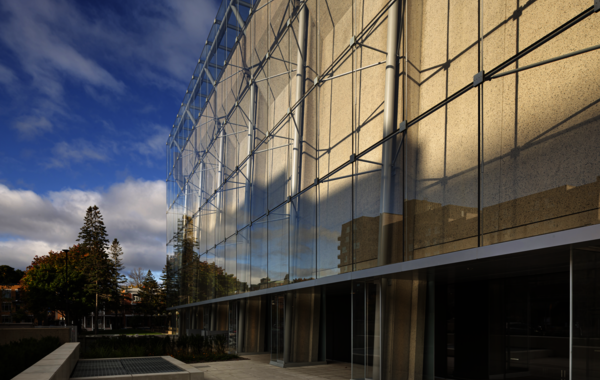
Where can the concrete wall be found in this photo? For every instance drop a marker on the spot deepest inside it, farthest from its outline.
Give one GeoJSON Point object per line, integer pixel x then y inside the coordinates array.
{"type": "Point", "coordinates": [13, 335]}
{"type": "Point", "coordinates": [56, 366]}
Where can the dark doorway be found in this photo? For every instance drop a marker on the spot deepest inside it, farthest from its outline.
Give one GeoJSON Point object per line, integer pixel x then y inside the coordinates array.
{"type": "Point", "coordinates": [338, 322]}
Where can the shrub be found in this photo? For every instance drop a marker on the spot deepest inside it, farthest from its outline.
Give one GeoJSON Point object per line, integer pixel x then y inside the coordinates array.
{"type": "Point", "coordinates": [16, 357]}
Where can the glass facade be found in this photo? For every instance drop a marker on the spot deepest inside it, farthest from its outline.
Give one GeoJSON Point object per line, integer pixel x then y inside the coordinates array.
{"type": "Point", "coordinates": [321, 138]}
{"type": "Point", "coordinates": [305, 171]}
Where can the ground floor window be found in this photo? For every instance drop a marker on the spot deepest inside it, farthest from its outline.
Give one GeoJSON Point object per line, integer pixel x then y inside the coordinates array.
{"type": "Point", "coordinates": [529, 316]}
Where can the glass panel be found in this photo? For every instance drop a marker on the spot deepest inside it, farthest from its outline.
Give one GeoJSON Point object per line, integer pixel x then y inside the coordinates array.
{"type": "Point", "coordinates": [364, 330]}
{"type": "Point", "coordinates": [221, 276]}
{"type": "Point", "coordinates": [230, 265]}
{"type": "Point", "coordinates": [510, 327]}
{"type": "Point", "coordinates": [366, 222]}
{"type": "Point", "coordinates": [243, 198]}
{"type": "Point", "coordinates": [259, 184]}
{"type": "Point", "coordinates": [541, 169]}
{"type": "Point", "coordinates": [358, 330]}
{"type": "Point", "coordinates": [277, 327]}
{"type": "Point", "coordinates": [202, 277]}
{"type": "Point", "coordinates": [258, 254]}
{"type": "Point", "coordinates": [278, 246]}
{"type": "Point", "coordinates": [334, 224]}
{"type": "Point", "coordinates": [243, 260]}
{"type": "Point", "coordinates": [193, 279]}
{"type": "Point", "coordinates": [510, 27]}
{"type": "Point", "coordinates": [303, 234]}
{"type": "Point", "coordinates": [369, 87]}
{"type": "Point", "coordinates": [445, 52]}
{"type": "Point", "coordinates": [211, 274]}
{"type": "Point", "coordinates": [233, 322]}
{"type": "Point", "coordinates": [334, 23]}
{"type": "Point", "coordinates": [586, 313]}
{"type": "Point", "coordinates": [230, 193]}
{"type": "Point", "coordinates": [200, 215]}
{"type": "Point", "coordinates": [278, 165]}
{"type": "Point", "coordinates": [308, 152]}
{"type": "Point", "coordinates": [378, 202]}
{"type": "Point", "coordinates": [211, 219]}
{"type": "Point", "coordinates": [279, 73]}
{"type": "Point", "coordinates": [441, 205]}
{"type": "Point", "coordinates": [220, 215]}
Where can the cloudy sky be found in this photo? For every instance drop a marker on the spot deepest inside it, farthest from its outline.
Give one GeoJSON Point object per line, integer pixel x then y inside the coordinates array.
{"type": "Point", "coordinates": [88, 93]}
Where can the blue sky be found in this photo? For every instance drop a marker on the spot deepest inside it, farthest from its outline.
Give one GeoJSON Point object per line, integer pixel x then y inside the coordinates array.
{"type": "Point", "coordinates": [88, 93]}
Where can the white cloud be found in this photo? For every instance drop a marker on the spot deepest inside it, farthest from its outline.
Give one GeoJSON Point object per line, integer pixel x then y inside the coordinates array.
{"type": "Point", "coordinates": [133, 210]}
{"type": "Point", "coordinates": [57, 43]}
{"type": "Point", "coordinates": [7, 76]}
{"type": "Point", "coordinates": [19, 253]}
{"type": "Point", "coordinates": [64, 153]}
{"type": "Point", "coordinates": [43, 36]}
{"type": "Point", "coordinates": [30, 127]}
{"type": "Point", "coordinates": [154, 145]}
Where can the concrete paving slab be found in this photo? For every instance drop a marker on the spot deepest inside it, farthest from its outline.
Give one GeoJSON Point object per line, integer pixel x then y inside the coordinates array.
{"type": "Point", "coordinates": [258, 367]}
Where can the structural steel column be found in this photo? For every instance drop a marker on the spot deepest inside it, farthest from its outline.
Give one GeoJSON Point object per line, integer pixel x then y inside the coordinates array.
{"type": "Point", "coordinates": [220, 171]}
{"type": "Point", "coordinates": [185, 193]}
{"type": "Point", "coordinates": [389, 126]}
{"type": "Point", "coordinates": [299, 112]}
{"type": "Point", "coordinates": [238, 17]}
{"type": "Point", "coordinates": [200, 175]}
{"type": "Point", "coordinates": [296, 156]}
{"type": "Point", "coordinates": [386, 198]}
{"type": "Point", "coordinates": [250, 162]}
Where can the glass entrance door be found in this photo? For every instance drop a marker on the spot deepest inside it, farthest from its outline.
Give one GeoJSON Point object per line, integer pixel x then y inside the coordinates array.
{"type": "Point", "coordinates": [517, 328]}
{"type": "Point", "coordinates": [537, 327]}
{"type": "Point", "coordinates": [365, 330]}
{"type": "Point", "coordinates": [233, 324]}
{"type": "Point", "coordinates": [277, 327]}
{"type": "Point", "coordinates": [500, 329]}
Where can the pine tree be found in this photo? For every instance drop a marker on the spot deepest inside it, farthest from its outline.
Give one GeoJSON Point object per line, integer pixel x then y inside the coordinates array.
{"type": "Point", "coordinates": [94, 240]}
{"type": "Point", "coordinates": [167, 287]}
{"type": "Point", "coordinates": [117, 278]}
{"type": "Point", "coordinates": [149, 294]}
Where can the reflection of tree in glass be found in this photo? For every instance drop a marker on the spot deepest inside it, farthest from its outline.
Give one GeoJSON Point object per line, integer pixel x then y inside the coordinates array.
{"type": "Point", "coordinates": [196, 280]}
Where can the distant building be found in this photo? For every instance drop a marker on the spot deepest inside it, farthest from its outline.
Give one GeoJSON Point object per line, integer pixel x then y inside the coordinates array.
{"type": "Point", "coordinates": [13, 310]}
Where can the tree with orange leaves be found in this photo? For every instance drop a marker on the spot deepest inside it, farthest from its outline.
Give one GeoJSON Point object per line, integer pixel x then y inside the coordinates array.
{"type": "Point", "coordinates": [57, 283]}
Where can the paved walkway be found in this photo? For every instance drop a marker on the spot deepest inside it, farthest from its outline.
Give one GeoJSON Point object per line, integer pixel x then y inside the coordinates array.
{"type": "Point", "coordinates": [258, 367]}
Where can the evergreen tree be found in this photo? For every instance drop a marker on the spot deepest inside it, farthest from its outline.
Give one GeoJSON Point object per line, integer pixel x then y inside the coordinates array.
{"type": "Point", "coordinates": [167, 287]}
{"type": "Point", "coordinates": [94, 240]}
{"type": "Point", "coordinates": [165, 284]}
{"type": "Point", "coordinates": [150, 296]}
{"type": "Point", "coordinates": [117, 278]}
{"type": "Point", "coordinates": [184, 254]}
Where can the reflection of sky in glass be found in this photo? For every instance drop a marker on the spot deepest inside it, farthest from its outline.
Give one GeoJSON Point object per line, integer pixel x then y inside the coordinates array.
{"type": "Point", "coordinates": [278, 244]}
{"type": "Point", "coordinates": [258, 251]}
{"type": "Point", "coordinates": [243, 258]}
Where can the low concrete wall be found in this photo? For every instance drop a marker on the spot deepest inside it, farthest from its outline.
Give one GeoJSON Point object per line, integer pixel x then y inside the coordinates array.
{"type": "Point", "coordinates": [16, 326]}
{"type": "Point", "coordinates": [56, 366]}
{"type": "Point", "coordinates": [14, 335]}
